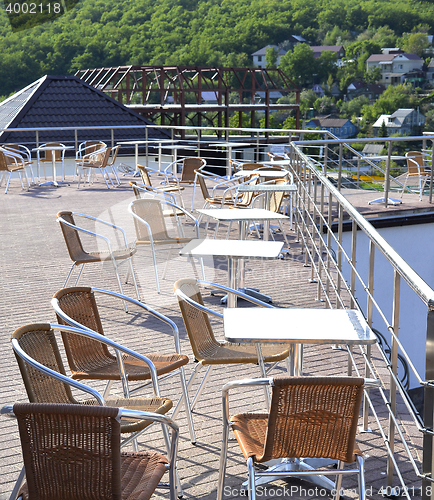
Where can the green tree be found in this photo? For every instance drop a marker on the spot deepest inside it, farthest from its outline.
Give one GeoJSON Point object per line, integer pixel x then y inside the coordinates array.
{"type": "Point", "coordinates": [383, 130]}
{"type": "Point", "coordinates": [271, 55]}
{"type": "Point", "coordinates": [415, 43]}
{"type": "Point", "coordinates": [300, 64]}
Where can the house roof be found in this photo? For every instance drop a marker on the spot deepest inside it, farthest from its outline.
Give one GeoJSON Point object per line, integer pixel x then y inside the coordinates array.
{"type": "Point", "coordinates": [319, 49]}
{"type": "Point", "coordinates": [390, 57]}
{"type": "Point", "coordinates": [263, 51]}
{"type": "Point", "coordinates": [330, 121]}
{"type": "Point", "coordinates": [67, 101]}
{"type": "Point", "coordinates": [375, 88]}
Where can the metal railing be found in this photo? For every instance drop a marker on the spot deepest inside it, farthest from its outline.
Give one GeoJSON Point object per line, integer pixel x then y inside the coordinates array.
{"type": "Point", "coordinates": [323, 214]}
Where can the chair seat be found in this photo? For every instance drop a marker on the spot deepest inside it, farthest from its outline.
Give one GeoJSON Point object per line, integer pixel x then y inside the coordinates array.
{"type": "Point", "coordinates": [121, 254]}
{"type": "Point", "coordinates": [140, 474]}
{"type": "Point", "coordinates": [250, 431]}
{"type": "Point", "coordinates": [164, 363]}
{"type": "Point", "coordinates": [155, 405]}
{"type": "Point", "coordinates": [224, 353]}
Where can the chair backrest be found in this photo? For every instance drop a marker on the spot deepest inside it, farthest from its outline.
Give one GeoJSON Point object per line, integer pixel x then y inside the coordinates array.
{"type": "Point", "coordinates": [196, 322]}
{"type": "Point", "coordinates": [70, 451]}
{"type": "Point", "coordinates": [4, 162]}
{"type": "Point", "coordinates": [151, 211]}
{"type": "Point", "coordinates": [79, 304]}
{"type": "Point", "coordinates": [202, 184]}
{"type": "Point", "coordinates": [250, 166]}
{"type": "Point", "coordinates": [189, 165]}
{"type": "Point", "coordinates": [144, 175]}
{"type": "Point", "coordinates": [276, 197]}
{"type": "Point", "coordinates": [71, 236]}
{"type": "Point", "coordinates": [48, 154]}
{"type": "Point", "coordinates": [14, 148]}
{"type": "Point", "coordinates": [415, 163]}
{"type": "Point", "coordinates": [39, 342]}
{"type": "Point", "coordinates": [114, 152]}
{"type": "Point", "coordinates": [313, 417]}
{"type": "Point", "coordinates": [247, 197]}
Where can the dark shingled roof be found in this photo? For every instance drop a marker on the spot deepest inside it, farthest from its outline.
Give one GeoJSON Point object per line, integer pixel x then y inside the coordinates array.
{"type": "Point", "coordinates": [67, 101]}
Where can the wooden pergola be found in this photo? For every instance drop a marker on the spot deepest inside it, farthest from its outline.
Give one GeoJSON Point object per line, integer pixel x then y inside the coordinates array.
{"type": "Point", "coordinates": [180, 95]}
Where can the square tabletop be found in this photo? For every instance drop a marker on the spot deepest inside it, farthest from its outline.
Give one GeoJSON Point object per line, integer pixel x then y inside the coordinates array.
{"type": "Point", "coordinates": [233, 248]}
{"type": "Point", "coordinates": [302, 326]}
{"type": "Point", "coordinates": [241, 214]}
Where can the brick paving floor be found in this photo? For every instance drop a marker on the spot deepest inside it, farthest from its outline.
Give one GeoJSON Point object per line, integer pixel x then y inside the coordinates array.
{"type": "Point", "coordinates": [33, 266]}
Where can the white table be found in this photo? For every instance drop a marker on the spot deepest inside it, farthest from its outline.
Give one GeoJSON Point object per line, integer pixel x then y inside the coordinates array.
{"type": "Point", "coordinates": [242, 216]}
{"type": "Point", "coordinates": [263, 174]}
{"type": "Point", "coordinates": [229, 145]}
{"type": "Point", "coordinates": [296, 327]}
{"type": "Point", "coordinates": [54, 182]}
{"type": "Point", "coordinates": [234, 251]}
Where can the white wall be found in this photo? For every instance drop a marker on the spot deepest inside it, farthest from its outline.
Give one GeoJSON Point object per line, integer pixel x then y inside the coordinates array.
{"type": "Point", "coordinates": [413, 243]}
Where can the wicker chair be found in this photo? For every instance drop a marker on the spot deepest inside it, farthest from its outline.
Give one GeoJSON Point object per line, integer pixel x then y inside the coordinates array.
{"type": "Point", "coordinates": [9, 164]}
{"type": "Point", "coordinates": [314, 417]}
{"type": "Point", "coordinates": [45, 378]}
{"type": "Point", "coordinates": [72, 451]}
{"type": "Point", "coordinates": [91, 162]}
{"type": "Point", "coordinates": [416, 169]}
{"type": "Point", "coordinates": [151, 229]}
{"type": "Point", "coordinates": [206, 349]}
{"type": "Point", "coordinates": [23, 155]}
{"type": "Point", "coordinates": [47, 157]}
{"type": "Point", "coordinates": [169, 184]}
{"type": "Point", "coordinates": [81, 257]}
{"type": "Point", "coordinates": [189, 165]}
{"type": "Point", "coordinates": [88, 359]}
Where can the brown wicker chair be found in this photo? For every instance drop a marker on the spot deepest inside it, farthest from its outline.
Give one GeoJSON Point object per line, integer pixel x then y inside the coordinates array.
{"type": "Point", "coordinates": [81, 257]}
{"type": "Point", "coordinates": [88, 359]}
{"type": "Point", "coordinates": [206, 349]}
{"type": "Point", "coordinates": [170, 184]}
{"type": "Point", "coordinates": [91, 162]}
{"type": "Point", "coordinates": [45, 379]}
{"type": "Point", "coordinates": [73, 451]}
{"type": "Point", "coordinates": [313, 417]}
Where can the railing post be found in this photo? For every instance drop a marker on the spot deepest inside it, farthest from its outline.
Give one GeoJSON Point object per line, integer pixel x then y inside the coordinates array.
{"type": "Point", "coordinates": [321, 242]}
{"type": "Point", "coordinates": [353, 262]}
{"type": "Point", "coordinates": [428, 448]}
{"type": "Point", "coordinates": [339, 255]}
{"type": "Point", "coordinates": [394, 368]}
{"type": "Point", "coordinates": [340, 166]}
{"type": "Point", "coordinates": [387, 174]}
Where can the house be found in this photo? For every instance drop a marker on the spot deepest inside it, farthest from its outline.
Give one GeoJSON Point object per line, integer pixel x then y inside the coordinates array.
{"type": "Point", "coordinates": [372, 149]}
{"type": "Point", "coordinates": [259, 57]}
{"type": "Point", "coordinates": [402, 122]}
{"type": "Point", "coordinates": [430, 72]}
{"type": "Point", "coordinates": [394, 66]}
{"type": "Point", "coordinates": [370, 90]}
{"type": "Point", "coordinates": [67, 101]}
{"type": "Point", "coordinates": [338, 50]}
{"type": "Point", "coordinates": [341, 127]}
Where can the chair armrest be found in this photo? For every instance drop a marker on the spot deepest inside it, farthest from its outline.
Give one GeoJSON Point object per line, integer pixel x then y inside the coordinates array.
{"type": "Point", "coordinates": [109, 224]}
{"type": "Point", "coordinates": [166, 170]}
{"type": "Point", "coordinates": [56, 375]}
{"type": "Point", "coordinates": [153, 191]}
{"type": "Point", "coordinates": [87, 332]}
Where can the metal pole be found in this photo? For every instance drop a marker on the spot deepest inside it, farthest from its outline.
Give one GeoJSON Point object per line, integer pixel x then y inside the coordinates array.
{"type": "Point", "coordinates": [428, 448]}
{"type": "Point", "coordinates": [394, 367]}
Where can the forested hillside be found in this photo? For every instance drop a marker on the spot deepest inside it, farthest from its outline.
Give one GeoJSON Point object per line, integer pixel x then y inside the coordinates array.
{"type": "Point", "coordinates": [192, 32]}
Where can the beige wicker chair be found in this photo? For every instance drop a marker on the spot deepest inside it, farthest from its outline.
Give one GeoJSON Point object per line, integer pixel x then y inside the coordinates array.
{"type": "Point", "coordinates": [416, 170]}
{"type": "Point", "coordinates": [151, 229]}
{"type": "Point", "coordinates": [206, 349]}
{"type": "Point", "coordinates": [88, 359]}
{"type": "Point", "coordinates": [9, 164]}
{"type": "Point", "coordinates": [189, 165]}
{"type": "Point", "coordinates": [170, 184]}
{"type": "Point", "coordinates": [313, 417]}
{"type": "Point", "coordinates": [80, 257]}
{"type": "Point", "coordinates": [73, 451]}
{"type": "Point", "coordinates": [46, 156]}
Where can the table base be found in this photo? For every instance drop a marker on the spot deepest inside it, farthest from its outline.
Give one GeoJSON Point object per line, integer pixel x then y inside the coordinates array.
{"type": "Point", "coordinates": [297, 465]}
{"type": "Point", "coordinates": [252, 292]}
{"type": "Point", "coordinates": [53, 183]}
{"type": "Point", "coordinates": [390, 201]}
